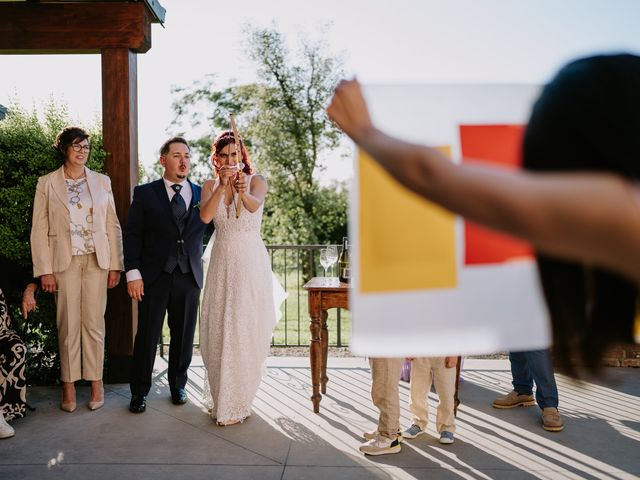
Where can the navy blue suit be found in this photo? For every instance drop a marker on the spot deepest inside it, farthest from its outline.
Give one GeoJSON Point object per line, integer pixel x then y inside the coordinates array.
{"type": "Point", "coordinates": [154, 240]}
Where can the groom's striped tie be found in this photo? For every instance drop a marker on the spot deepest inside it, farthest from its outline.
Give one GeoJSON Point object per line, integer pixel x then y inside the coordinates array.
{"type": "Point", "coordinates": [178, 207]}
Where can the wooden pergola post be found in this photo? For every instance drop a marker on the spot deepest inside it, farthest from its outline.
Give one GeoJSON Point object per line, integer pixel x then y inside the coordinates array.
{"type": "Point", "coordinates": [118, 31]}
{"type": "Point", "coordinates": [120, 132]}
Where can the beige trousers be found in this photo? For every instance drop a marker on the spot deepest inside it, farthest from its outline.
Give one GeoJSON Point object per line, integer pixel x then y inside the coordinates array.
{"type": "Point", "coordinates": [385, 377]}
{"type": "Point", "coordinates": [81, 301]}
{"type": "Point", "coordinates": [423, 372]}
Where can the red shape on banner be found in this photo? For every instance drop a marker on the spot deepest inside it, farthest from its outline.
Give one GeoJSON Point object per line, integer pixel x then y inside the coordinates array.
{"type": "Point", "coordinates": [497, 144]}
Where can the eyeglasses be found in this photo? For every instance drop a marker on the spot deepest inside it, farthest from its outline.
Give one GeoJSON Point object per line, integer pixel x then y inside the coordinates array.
{"type": "Point", "coordinates": [79, 148]}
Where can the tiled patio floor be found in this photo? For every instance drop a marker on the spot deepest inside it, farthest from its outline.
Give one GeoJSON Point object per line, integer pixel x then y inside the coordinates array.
{"type": "Point", "coordinates": [283, 439]}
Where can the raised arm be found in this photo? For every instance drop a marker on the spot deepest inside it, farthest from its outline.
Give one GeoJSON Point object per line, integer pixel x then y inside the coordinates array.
{"type": "Point", "coordinates": [255, 195]}
{"type": "Point", "coordinates": [591, 218]}
{"type": "Point", "coordinates": [212, 192]}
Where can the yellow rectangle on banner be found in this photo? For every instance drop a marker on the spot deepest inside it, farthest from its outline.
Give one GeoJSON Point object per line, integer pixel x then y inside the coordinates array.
{"type": "Point", "coordinates": [406, 243]}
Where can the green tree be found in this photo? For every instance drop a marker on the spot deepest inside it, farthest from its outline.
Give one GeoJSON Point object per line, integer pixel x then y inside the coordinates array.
{"type": "Point", "coordinates": [26, 153]}
{"type": "Point", "coordinates": [283, 120]}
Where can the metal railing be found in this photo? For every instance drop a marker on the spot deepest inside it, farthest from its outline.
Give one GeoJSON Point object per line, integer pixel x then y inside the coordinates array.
{"type": "Point", "coordinates": [293, 266]}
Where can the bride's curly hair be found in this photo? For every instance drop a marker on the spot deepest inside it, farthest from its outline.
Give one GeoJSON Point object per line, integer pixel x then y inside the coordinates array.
{"type": "Point", "coordinates": [222, 140]}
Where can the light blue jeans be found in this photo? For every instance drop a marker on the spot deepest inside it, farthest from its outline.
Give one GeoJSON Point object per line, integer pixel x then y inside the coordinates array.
{"type": "Point", "coordinates": [534, 366]}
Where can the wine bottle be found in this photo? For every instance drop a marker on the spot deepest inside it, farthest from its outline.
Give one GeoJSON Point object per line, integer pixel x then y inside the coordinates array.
{"type": "Point", "coordinates": [344, 264]}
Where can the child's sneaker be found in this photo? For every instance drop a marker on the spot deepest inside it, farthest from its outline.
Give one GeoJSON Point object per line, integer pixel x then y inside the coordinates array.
{"type": "Point", "coordinates": [446, 437]}
{"type": "Point", "coordinates": [413, 431]}
{"type": "Point", "coordinates": [380, 446]}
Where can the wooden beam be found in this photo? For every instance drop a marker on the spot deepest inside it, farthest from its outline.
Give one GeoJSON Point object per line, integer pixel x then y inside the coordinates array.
{"type": "Point", "coordinates": [120, 131]}
{"type": "Point", "coordinates": [73, 27]}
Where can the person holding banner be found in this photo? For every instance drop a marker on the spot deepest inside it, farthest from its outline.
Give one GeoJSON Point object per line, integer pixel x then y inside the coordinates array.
{"type": "Point", "coordinates": [238, 310]}
{"type": "Point", "coordinates": [577, 203]}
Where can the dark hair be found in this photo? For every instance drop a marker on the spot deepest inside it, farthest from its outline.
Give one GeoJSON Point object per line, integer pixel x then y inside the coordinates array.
{"type": "Point", "coordinates": [164, 149]}
{"type": "Point", "coordinates": [588, 119]}
{"type": "Point", "coordinates": [67, 137]}
{"type": "Point", "coordinates": [222, 140]}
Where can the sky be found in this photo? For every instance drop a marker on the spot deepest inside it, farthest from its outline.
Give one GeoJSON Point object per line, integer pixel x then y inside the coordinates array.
{"type": "Point", "coordinates": [381, 42]}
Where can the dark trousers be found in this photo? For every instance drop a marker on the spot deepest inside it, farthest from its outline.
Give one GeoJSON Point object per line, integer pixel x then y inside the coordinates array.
{"type": "Point", "coordinates": [178, 295]}
{"type": "Point", "coordinates": [534, 366]}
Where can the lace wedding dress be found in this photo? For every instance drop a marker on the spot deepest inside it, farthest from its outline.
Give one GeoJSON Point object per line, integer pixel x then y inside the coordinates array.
{"type": "Point", "coordinates": [237, 314]}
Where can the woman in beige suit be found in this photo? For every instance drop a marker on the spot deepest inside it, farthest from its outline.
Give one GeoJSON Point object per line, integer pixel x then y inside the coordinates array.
{"type": "Point", "coordinates": [76, 246]}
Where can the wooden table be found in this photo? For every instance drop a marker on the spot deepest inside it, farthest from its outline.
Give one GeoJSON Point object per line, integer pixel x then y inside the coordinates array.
{"type": "Point", "coordinates": [324, 293]}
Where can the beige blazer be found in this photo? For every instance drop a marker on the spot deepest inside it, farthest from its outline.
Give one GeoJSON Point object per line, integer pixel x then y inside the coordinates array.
{"type": "Point", "coordinates": [51, 224]}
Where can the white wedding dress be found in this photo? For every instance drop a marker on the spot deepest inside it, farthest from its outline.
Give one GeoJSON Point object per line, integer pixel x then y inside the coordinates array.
{"type": "Point", "coordinates": [237, 314]}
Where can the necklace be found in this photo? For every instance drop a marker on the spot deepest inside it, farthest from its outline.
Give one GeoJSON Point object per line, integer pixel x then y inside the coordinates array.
{"type": "Point", "coordinates": [68, 175]}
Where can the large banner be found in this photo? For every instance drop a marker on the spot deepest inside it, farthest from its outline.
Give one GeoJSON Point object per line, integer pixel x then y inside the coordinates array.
{"type": "Point", "coordinates": [428, 283]}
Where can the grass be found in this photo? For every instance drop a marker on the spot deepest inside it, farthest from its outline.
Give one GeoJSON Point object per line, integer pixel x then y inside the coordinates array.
{"type": "Point", "coordinates": [293, 327]}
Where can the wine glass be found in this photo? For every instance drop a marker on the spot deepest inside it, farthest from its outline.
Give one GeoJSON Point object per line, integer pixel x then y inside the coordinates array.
{"type": "Point", "coordinates": [332, 254]}
{"type": "Point", "coordinates": [324, 260]}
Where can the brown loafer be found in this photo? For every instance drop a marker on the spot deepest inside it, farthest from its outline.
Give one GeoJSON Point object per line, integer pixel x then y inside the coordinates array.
{"type": "Point", "coordinates": [514, 399]}
{"type": "Point", "coordinates": [551, 420]}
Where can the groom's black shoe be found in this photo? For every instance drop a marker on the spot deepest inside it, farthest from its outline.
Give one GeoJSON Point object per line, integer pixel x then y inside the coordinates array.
{"type": "Point", "coordinates": [178, 396]}
{"type": "Point", "coordinates": [138, 404]}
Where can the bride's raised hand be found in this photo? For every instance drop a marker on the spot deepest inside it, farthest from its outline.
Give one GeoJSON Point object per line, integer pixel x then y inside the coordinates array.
{"type": "Point", "coordinates": [226, 173]}
{"type": "Point", "coordinates": [240, 183]}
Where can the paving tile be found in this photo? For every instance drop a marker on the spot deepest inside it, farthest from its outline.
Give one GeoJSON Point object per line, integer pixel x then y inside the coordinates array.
{"type": "Point", "coordinates": [283, 438]}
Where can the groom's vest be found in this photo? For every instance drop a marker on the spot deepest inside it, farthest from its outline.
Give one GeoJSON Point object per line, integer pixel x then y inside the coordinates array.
{"type": "Point", "coordinates": [180, 259]}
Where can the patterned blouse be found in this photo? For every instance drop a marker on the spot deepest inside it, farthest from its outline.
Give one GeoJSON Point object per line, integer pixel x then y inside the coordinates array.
{"type": "Point", "coordinates": [81, 213]}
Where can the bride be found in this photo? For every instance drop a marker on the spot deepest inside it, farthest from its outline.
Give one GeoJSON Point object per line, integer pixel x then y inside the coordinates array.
{"type": "Point", "coordinates": [238, 311]}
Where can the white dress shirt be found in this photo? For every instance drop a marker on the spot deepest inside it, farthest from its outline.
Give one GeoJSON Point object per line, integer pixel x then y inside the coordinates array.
{"type": "Point", "coordinates": [186, 192]}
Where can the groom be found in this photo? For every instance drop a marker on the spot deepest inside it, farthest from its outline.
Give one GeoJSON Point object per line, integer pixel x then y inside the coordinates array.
{"type": "Point", "coordinates": [163, 260]}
